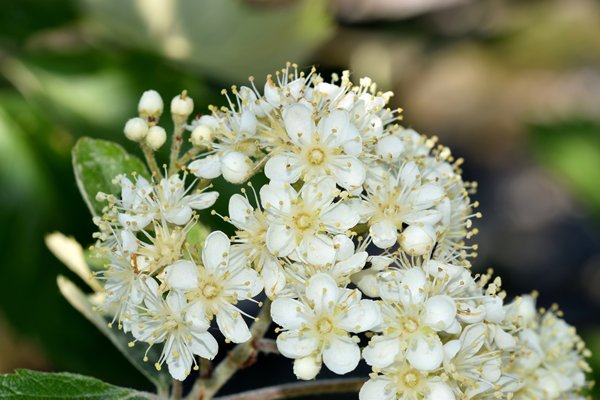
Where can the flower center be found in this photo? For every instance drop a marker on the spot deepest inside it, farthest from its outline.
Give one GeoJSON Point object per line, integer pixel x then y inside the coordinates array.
{"type": "Point", "coordinates": [324, 326]}
{"type": "Point", "coordinates": [210, 291]}
{"type": "Point", "coordinates": [303, 221]}
{"type": "Point", "coordinates": [410, 325]}
{"type": "Point", "coordinates": [410, 379]}
{"type": "Point", "coordinates": [316, 156]}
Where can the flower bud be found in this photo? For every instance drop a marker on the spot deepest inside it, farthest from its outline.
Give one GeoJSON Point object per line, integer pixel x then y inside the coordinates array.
{"type": "Point", "coordinates": [181, 107]}
{"type": "Point", "coordinates": [306, 368]}
{"type": "Point", "coordinates": [136, 129]}
{"type": "Point", "coordinates": [201, 135]}
{"type": "Point", "coordinates": [156, 137]}
{"type": "Point", "coordinates": [150, 105]}
{"type": "Point", "coordinates": [417, 240]}
{"type": "Point", "coordinates": [236, 167]}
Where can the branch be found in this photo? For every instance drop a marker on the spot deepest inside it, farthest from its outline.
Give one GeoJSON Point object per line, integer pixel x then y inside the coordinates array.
{"type": "Point", "coordinates": [238, 358]}
{"type": "Point", "coordinates": [298, 389]}
{"type": "Point", "coordinates": [176, 142]}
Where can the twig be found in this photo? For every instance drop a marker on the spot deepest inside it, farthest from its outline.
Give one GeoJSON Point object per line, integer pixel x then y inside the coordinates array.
{"type": "Point", "coordinates": [177, 390]}
{"type": "Point", "coordinates": [176, 143]}
{"type": "Point", "coordinates": [266, 346]}
{"type": "Point", "coordinates": [151, 160]}
{"type": "Point", "coordinates": [298, 389]}
{"type": "Point", "coordinates": [239, 357]}
{"type": "Point", "coordinates": [187, 156]}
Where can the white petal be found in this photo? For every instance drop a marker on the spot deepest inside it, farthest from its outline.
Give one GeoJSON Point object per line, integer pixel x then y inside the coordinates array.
{"type": "Point", "coordinates": [201, 201]}
{"type": "Point", "coordinates": [293, 345]}
{"type": "Point", "coordinates": [439, 391]}
{"type": "Point", "coordinates": [426, 353]}
{"type": "Point", "coordinates": [277, 195]}
{"type": "Point", "coordinates": [245, 282]}
{"type": "Point", "coordinates": [178, 368]}
{"type": "Point", "coordinates": [494, 312]}
{"type": "Point", "coordinates": [232, 324]}
{"type": "Point", "coordinates": [409, 174]}
{"type": "Point", "coordinates": [240, 210]}
{"type": "Point", "coordinates": [344, 247]}
{"type": "Point", "coordinates": [361, 317]}
{"type": "Point", "coordinates": [280, 240]}
{"type": "Point", "coordinates": [322, 291]}
{"type": "Point", "coordinates": [319, 193]}
{"type": "Point", "coordinates": [351, 265]}
{"type": "Point", "coordinates": [128, 241]}
{"type": "Point", "coordinates": [208, 167]}
{"type": "Point", "coordinates": [376, 389]}
{"type": "Point", "coordinates": [216, 251]}
{"type": "Point", "coordinates": [204, 345]}
{"type": "Point", "coordinates": [272, 276]}
{"type": "Point", "coordinates": [135, 222]}
{"type": "Point", "coordinates": [334, 124]}
{"type": "Point", "coordinates": [381, 351]}
{"type": "Point", "coordinates": [440, 312]}
{"type": "Point", "coordinates": [179, 215]}
{"type": "Point", "coordinates": [428, 195]}
{"type": "Point", "coordinates": [283, 167]}
{"type": "Point", "coordinates": [248, 123]}
{"type": "Point", "coordinates": [288, 313]}
{"type": "Point", "coordinates": [353, 142]}
{"type": "Point", "coordinates": [317, 250]}
{"type": "Point", "coordinates": [366, 281]}
{"type": "Point", "coordinates": [341, 355]}
{"type": "Point", "coordinates": [299, 123]}
{"type": "Point", "coordinates": [423, 217]}
{"type": "Point", "coordinates": [182, 275]}
{"type": "Point", "coordinates": [195, 314]}
{"type": "Point", "coordinates": [384, 234]}
{"type": "Point", "coordinates": [340, 218]}
{"type": "Point", "coordinates": [176, 301]}
{"type": "Point", "coordinates": [349, 171]}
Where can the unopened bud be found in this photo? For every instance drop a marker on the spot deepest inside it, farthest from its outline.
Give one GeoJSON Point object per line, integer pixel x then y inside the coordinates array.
{"type": "Point", "coordinates": [156, 137]}
{"type": "Point", "coordinates": [236, 167]}
{"type": "Point", "coordinates": [181, 107]}
{"type": "Point", "coordinates": [150, 105]}
{"type": "Point", "coordinates": [136, 129]}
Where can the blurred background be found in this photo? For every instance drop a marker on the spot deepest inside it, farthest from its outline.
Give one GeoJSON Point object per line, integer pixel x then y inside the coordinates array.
{"type": "Point", "coordinates": [512, 86]}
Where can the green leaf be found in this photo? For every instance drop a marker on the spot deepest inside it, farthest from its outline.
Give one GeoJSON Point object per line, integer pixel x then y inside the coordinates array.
{"type": "Point", "coordinates": [96, 163]}
{"type": "Point", "coordinates": [25, 384]}
{"type": "Point", "coordinates": [120, 340]}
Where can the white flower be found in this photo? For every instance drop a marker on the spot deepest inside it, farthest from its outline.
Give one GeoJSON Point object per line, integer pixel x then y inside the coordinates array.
{"type": "Point", "coordinates": [182, 327]}
{"type": "Point", "coordinates": [318, 326]}
{"type": "Point", "coordinates": [217, 285]}
{"type": "Point", "coordinates": [402, 382]}
{"type": "Point", "coordinates": [411, 320]}
{"type": "Point", "coordinates": [329, 148]}
{"type": "Point", "coordinates": [250, 242]}
{"type": "Point", "coordinates": [403, 199]}
{"type": "Point", "coordinates": [174, 202]}
{"type": "Point", "coordinates": [299, 222]}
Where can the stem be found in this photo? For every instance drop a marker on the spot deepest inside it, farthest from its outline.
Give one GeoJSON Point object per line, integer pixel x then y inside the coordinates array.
{"type": "Point", "coordinates": [298, 389]}
{"type": "Point", "coordinates": [176, 143]}
{"type": "Point", "coordinates": [177, 390]}
{"type": "Point", "coordinates": [187, 156]}
{"type": "Point", "coordinates": [151, 160]}
{"type": "Point", "coordinates": [237, 358]}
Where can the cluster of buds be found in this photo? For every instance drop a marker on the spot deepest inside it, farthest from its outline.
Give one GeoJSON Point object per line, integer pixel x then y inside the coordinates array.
{"type": "Point", "coordinates": [360, 239]}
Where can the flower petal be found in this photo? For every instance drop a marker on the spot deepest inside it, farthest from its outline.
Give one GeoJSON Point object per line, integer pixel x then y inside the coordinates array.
{"type": "Point", "coordinates": [240, 210]}
{"type": "Point", "coordinates": [208, 167]}
{"type": "Point", "coordinates": [272, 276]}
{"type": "Point", "coordinates": [216, 251]}
{"type": "Point", "coordinates": [426, 353]}
{"type": "Point", "coordinates": [384, 234]}
{"type": "Point", "coordinates": [440, 312]}
{"type": "Point", "coordinates": [317, 249]}
{"type": "Point", "coordinates": [277, 195]}
{"type": "Point", "coordinates": [299, 124]}
{"type": "Point", "coordinates": [322, 291]}
{"type": "Point", "coordinates": [376, 389]}
{"type": "Point", "coordinates": [232, 324]}
{"type": "Point", "coordinates": [179, 215]}
{"type": "Point", "coordinates": [201, 201]}
{"type": "Point", "coordinates": [280, 240]}
{"type": "Point", "coordinates": [288, 313]}
{"type": "Point", "coordinates": [182, 275]}
{"type": "Point", "coordinates": [361, 317]}
{"type": "Point", "coordinates": [341, 355]}
{"type": "Point", "coordinates": [283, 167]}
{"type": "Point", "coordinates": [204, 345]}
{"type": "Point", "coordinates": [340, 218]}
{"type": "Point", "coordinates": [381, 351]}
{"type": "Point", "coordinates": [292, 344]}
{"type": "Point", "coordinates": [349, 171]}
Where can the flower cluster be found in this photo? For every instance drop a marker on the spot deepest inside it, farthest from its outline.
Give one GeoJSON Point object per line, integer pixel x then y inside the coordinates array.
{"type": "Point", "coordinates": [360, 239]}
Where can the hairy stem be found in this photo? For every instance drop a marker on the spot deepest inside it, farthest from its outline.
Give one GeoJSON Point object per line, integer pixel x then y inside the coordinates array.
{"type": "Point", "coordinates": [177, 390]}
{"type": "Point", "coordinates": [239, 357]}
{"type": "Point", "coordinates": [176, 142]}
{"type": "Point", "coordinates": [298, 389]}
{"type": "Point", "coordinates": [151, 160]}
